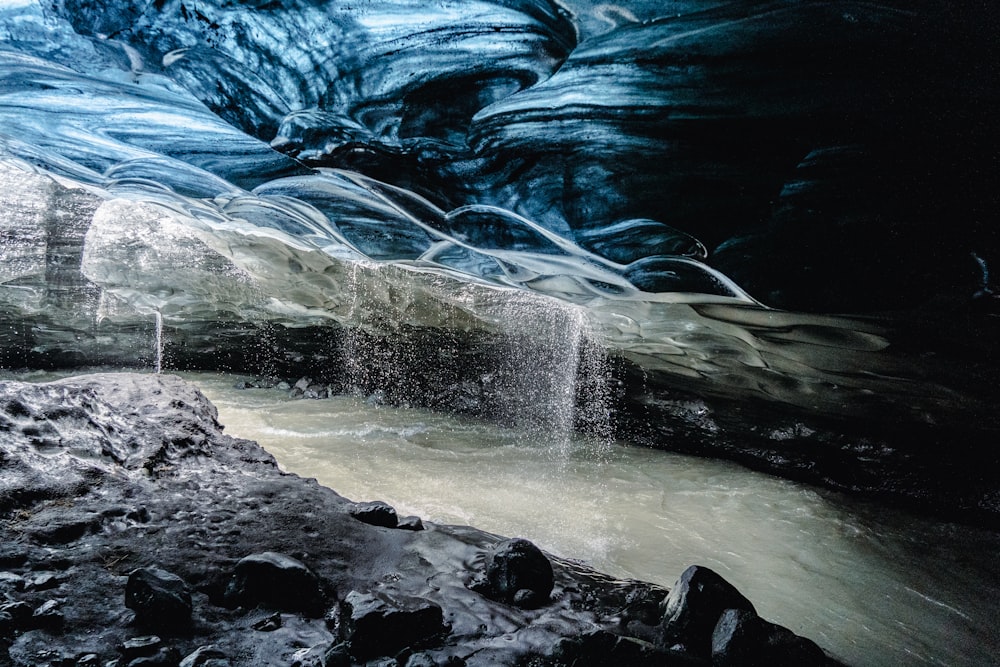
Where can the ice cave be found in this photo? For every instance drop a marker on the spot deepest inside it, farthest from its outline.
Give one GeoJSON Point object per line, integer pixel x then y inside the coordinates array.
{"type": "Point", "coordinates": [648, 284]}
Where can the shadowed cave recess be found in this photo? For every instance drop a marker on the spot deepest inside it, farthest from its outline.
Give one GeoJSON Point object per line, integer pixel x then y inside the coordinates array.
{"type": "Point", "coordinates": [762, 231]}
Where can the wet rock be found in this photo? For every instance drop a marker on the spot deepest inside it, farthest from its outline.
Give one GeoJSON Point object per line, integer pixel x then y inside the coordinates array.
{"type": "Point", "coordinates": [269, 624]}
{"type": "Point", "coordinates": [600, 648]}
{"type": "Point", "coordinates": [18, 612]}
{"type": "Point", "coordinates": [205, 656]}
{"type": "Point", "coordinates": [141, 647]}
{"type": "Point", "coordinates": [306, 388]}
{"type": "Point", "coordinates": [10, 582]}
{"type": "Point", "coordinates": [275, 581]}
{"type": "Point", "coordinates": [642, 605]}
{"type": "Point", "coordinates": [376, 513]}
{"type": "Point", "coordinates": [159, 598]}
{"type": "Point", "coordinates": [519, 573]}
{"type": "Point", "coordinates": [164, 657]}
{"type": "Point", "coordinates": [60, 529]}
{"type": "Point", "coordinates": [692, 609]}
{"type": "Point", "coordinates": [139, 515]}
{"type": "Point", "coordinates": [314, 656]}
{"type": "Point", "coordinates": [382, 623]}
{"type": "Point", "coordinates": [47, 616]}
{"type": "Point", "coordinates": [260, 383]}
{"type": "Point", "coordinates": [420, 660]}
{"type": "Point", "coordinates": [410, 523]}
{"type": "Point", "coordinates": [337, 655]}
{"type": "Point", "coordinates": [43, 581]}
{"type": "Point", "coordinates": [743, 639]}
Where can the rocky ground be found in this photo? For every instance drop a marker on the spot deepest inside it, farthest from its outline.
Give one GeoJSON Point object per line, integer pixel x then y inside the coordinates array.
{"type": "Point", "coordinates": [135, 532]}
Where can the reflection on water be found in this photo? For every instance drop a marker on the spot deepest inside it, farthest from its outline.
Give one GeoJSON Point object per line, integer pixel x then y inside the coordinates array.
{"type": "Point", "coordinates": [873, 586]}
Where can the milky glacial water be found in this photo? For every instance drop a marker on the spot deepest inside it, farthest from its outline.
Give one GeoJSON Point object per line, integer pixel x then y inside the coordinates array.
{"type": "Point", "coordinates": [872, 586]}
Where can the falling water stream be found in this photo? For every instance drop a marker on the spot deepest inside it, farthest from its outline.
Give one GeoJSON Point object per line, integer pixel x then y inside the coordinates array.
{"type": "Point", "coordinates": [158, 352]}
{"type": "Point", "coordinates": [871, 585]}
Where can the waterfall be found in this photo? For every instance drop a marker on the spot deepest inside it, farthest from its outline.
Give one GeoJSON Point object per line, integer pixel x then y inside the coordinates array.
{"type": "Point", "coordinates": [158, 363]}
{"type": "Point", "coordinates": [541, 370]}
{"type": "Point", "coordinates": [357, 357]}
{"type": "Point", "coordinates": [549, 356]}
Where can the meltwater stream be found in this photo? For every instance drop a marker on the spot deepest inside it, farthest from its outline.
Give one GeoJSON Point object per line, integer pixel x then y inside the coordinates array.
{"type": "Point", "coordinates": [870, 585]}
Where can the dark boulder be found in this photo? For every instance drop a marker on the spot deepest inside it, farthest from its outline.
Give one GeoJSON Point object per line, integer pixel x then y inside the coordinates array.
{"type": "Point", "coordinates": [517, 572]}
{"type": "Point", "coordinates": [692, 609]}
{"type": "Point", "coordinates": [275, 581]}
{"type": "Point", "coordinates": [19, 613]}
{"type": "Point", "coordinates": [410, 523]}
{"type": "Point", "coordinates": [160, 599]}
{"type": "Point", "coordinates": [47, 616]}
{"type": "Point", "coordinates": [383, 623]}
{"type": "Point", "coordinates": [743, 639]}
{"type": "Point", "coordinates": [376, 513]}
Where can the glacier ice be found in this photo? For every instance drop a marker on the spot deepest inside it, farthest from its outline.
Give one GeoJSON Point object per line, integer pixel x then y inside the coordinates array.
{"type": "Point", "coordinates": [405, 163]}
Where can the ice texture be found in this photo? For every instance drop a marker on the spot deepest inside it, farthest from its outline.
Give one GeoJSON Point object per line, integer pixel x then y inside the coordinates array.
{"type": "Point", "coordinates": [744, 198]}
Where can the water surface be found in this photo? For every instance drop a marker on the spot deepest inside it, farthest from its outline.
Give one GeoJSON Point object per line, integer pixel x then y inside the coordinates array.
{"type": "Point", "coordinates": [872, 586]}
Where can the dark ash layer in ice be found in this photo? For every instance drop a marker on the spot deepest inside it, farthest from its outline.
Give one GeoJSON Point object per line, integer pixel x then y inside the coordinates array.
{"type": "Point", "coordinates": [134, 529]}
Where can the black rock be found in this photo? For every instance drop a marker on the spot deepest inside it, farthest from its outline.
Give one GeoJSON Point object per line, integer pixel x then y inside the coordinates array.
{"type": "Point", "coordinates": [47, 615]}
{"type": "Point", "coordinates": [692, 609]}
{"type": "Point", "coordinates": [420, 660]}
{"type": "Point", "coordinates": [164, 657]}
{"type": "Point", "coordinates": [269, 624]}
{"type": "Point", "coordinates": [159, 598]}
{"type": "Point", "coordinates": [410, 523]}
{"type": "Point", "coordinates": [518, 572]}
{"type": "Point", "coordinates": [140, 647]}
{"type": "Point", "coordinates": [600, 648]}
{"type": "Point", "coordinates": [743, 639]}
{"type": "Point", "coordinates": [19, 612]}
{"type": "Point", "coordinates": [275, 581]}
{"type": "Point", "coordinates": [376, 513]}
{"type": "Point", "coordinates": [65, 529]}
{"type": "Point", "coordinates": [43, 581]}
{"type": "Point", "coordinates": [337, 655]}
{"type": "Point", "coordinates": [10, 582]}
{"type": "Point", "coordinates": [383, 623]}
{"type": "Point", "coordinates": [205, 656]}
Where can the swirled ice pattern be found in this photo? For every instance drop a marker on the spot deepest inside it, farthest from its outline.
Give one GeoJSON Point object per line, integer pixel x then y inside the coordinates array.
{"type": "Point", "coordinates": [250, 160]}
